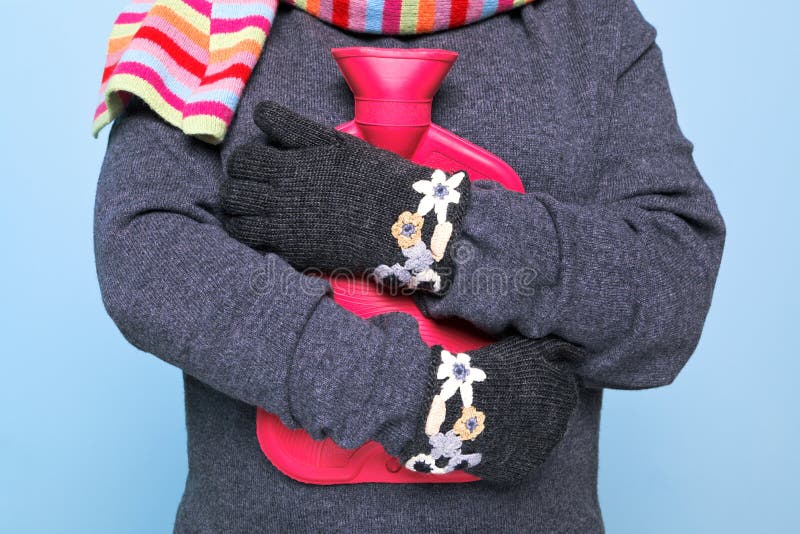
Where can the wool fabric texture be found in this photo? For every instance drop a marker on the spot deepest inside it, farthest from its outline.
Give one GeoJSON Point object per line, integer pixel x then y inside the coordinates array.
{"type": "Point", "coordinates": [326, 200]}
{"type": "Point", "coordinates": [614, 247]}
{"type": "Point", "coordinates": [190, 59]}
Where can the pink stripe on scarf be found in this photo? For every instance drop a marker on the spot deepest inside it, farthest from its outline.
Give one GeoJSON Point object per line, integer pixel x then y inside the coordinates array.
{"type": "Point", "coordinates": [326, 10]}
{"type": "Point", "coordinates": [130, 18]}
{"type": "Point", "coordinates": [504, 5]}
{"type": "Point", "coordinates": [215, 109]}
{"type": "Point", "coordinates": [358, 15]}
{"type": "Point", "coordinates": [391, 16]}
{"type": "Point", "coordinates": [441, 15]}
{"type": "Point", "coordinates": [245, 58]}
{"type": "Point", "coordinates": [150, 76]}
{"type": "Point", "coordinates": [234, 25]}
{"type": "Point", "coordinates": [474, 10]}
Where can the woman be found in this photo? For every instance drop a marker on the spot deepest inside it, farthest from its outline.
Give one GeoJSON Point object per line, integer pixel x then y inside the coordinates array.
{"type": "Point", "coordinates": [620, 228]}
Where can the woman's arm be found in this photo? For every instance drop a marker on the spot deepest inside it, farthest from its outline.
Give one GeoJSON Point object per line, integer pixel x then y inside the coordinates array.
{"type": "Point", "coordinates": [244, 323]}
{"type": "Point", "coordinates": [629, 276]}
{"type": "Point", "coordinates": [257, 330]}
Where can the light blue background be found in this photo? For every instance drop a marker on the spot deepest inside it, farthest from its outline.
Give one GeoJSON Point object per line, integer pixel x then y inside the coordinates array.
{"type": "Point", "coordinates": [92, 431]}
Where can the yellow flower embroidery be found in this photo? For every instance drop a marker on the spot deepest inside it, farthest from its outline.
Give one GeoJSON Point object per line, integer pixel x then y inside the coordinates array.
{"type": "Point", "coordinates": [470, 425]}
{"type": "Point", "coordinates": [408, 229]}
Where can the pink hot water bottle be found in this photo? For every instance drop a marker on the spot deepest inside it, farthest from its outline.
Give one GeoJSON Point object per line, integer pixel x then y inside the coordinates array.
{"type": "Point", "coordinates": [393, 90]}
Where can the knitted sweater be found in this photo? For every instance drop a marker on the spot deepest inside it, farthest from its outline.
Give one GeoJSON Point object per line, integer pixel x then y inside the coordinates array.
{"type": "Point", "coordinates": [619, 228]}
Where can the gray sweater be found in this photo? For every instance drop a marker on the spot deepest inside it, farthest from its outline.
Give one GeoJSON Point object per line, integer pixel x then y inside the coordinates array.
{"type": "Point", "coordinates": [618, 236]}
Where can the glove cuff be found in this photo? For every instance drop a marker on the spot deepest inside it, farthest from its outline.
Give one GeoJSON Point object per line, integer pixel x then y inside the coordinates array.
{"type": "Point", "coordinates": [497, 412]}
{"type": "Point", "coordinates": [423, 237]}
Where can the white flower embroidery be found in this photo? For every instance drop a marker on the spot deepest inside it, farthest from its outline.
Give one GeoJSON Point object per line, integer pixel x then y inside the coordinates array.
{"type": "Point", "coordinates": [460, 376]}
{"type": "Point", "coordinates": [439, 191]}
{"type": "Point", "coordinates": [424, 463]}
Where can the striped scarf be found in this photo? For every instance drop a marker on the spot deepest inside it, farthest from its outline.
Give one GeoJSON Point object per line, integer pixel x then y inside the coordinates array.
{"type": "Point", "coordinates": [190, 59]}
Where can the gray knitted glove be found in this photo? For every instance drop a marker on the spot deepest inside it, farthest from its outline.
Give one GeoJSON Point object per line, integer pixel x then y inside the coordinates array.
{"type": "Point", "coordinates": [496, 412]}
{"type": "Point", "coordinates": [324, 199]}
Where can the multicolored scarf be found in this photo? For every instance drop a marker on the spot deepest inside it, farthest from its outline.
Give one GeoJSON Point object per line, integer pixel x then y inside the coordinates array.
{"type": "Point", "coordinates": [190, 59]}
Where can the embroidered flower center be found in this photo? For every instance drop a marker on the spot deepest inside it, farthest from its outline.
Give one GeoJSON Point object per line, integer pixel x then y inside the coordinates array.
{"type": "Point", "coordinates": [441, 191]}
{"type": "Point", "coordinates": [460, 371]}
{"type": "Point", "coordinates": [471, 424]}
{"type": "Point", "coordinates": [408, 230]}
{"type": "Point", "coordinates": [422, 467]}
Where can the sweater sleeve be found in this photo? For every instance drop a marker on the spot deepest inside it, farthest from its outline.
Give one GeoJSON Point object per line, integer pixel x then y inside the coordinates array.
{"type": "Point", "coordinates": [628, 276]}
{"type": "Point", "coordinates": [244, 323]}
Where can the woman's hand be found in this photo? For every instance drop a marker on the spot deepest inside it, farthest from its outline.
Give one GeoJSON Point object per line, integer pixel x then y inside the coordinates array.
{"type": "Point", "coordinates": [496, 412]}
{"type": "Point", "coordinates": [327, 200]}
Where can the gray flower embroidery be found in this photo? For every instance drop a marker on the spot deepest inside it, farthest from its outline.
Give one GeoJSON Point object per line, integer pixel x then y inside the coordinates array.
{"type": "Point", "coordinates": [447, 445]}
{"type": "Point", "coordinates": [383, 272]}
{"type": "Point", "coordinates": [415, 270]}
{"type": "Point", "coordinates": [419, 258]}
{"type": "Point", "coordinates": [463, 461]}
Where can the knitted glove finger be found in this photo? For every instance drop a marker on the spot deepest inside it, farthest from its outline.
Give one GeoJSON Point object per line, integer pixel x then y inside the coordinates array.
{"type": "Point", "coordinates": [245, 197]}
{"type": "Point", "coordinates": [335, 202]}
{"type": "Point", "coordinates": [288, 129]}
{"type": "Point", "coordinates": [265, 163]}
{"type": "Point", "coordinates": [496, 412]}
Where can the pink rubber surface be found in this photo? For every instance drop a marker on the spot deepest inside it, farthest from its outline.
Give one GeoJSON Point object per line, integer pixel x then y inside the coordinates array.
{"type": "Point", "coordinates": [393, 89]}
